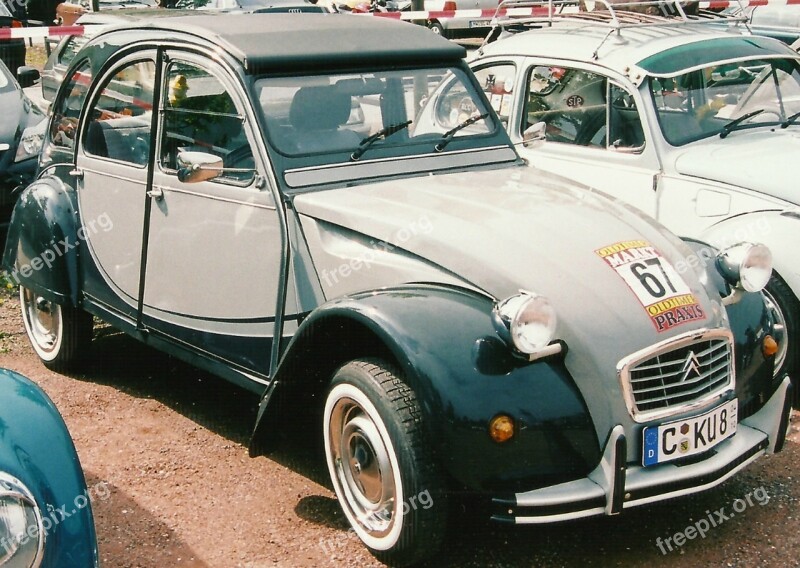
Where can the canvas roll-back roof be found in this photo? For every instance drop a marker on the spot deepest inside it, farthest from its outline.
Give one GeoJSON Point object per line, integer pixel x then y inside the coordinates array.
{"type": "Point", "coordinates": [299, 42]}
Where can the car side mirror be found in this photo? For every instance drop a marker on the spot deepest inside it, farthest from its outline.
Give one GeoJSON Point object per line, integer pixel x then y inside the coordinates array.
{"type": "Point", "coordinates": [533, 134]}
{"type": "Point", "coordinates": [27, 76]}
{"type": "Point", "coordinates": [194, 167]}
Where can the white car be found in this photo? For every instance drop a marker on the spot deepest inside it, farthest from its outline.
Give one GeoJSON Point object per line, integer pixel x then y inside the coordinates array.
{"type": "Point", "coordinates": [695, 124]}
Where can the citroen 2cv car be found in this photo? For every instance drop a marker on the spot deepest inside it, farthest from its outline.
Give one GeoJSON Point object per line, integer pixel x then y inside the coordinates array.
{"type": "Point", "coordinates": [691, 119]}
{"type": "Point", "coordinates": [449, 319]}
{"type": "Point", "coordinates": [45, 508]}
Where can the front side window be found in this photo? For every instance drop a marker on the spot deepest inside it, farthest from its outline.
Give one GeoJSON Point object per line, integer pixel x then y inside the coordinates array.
{"type": "Point", "coordinates": [120, 119]}
{"type": "Point", "coordinates": [583, 109]}
{"type": "Point", "coordinates": [367, 114]}
{"type": "Point", "coordinates": [200, 116]}
{"type": "Point", "coordinates": [700, 103]}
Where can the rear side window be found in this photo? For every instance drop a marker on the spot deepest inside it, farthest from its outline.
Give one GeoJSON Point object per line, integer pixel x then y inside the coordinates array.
{"type": "Point", "coordinates": [121, 116]}
{"type": "Point", "coordinates": [68, 107]}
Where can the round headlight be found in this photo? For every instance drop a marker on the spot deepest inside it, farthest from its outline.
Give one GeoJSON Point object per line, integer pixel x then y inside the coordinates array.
{"type": "Point", "coordinates": [21, 528]}
{"type": "Point", "coordinates": [746, 265]}
{"type": "Point", "coordinates": [529, 321]}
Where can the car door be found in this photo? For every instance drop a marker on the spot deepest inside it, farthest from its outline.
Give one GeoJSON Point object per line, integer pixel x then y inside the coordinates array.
{"type": "Point", "coordinates": [112, 167]}
{"type": "Point", "coordinates": [593, 130]}
{"type": "Point", "coordinates": [214, 247]}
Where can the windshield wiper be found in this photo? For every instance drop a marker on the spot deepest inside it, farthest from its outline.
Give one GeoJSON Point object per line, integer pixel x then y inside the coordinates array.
{"type": "Point", "coordinates": [383, 133]}
{"type": "Point", "coordinates": [448, 136]}
{"type": "Point", "coordinates": [790, 120]}
{"type": "Point", "coordinates": [731, 126]}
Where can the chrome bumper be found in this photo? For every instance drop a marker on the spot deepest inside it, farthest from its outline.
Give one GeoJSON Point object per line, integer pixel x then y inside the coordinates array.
{"type": "Point", "coordinates": [615, 485]}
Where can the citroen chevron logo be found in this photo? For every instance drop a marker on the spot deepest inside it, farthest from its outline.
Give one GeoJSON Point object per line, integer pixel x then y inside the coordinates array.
{"type": "Point", "coordinates": [690, 365]}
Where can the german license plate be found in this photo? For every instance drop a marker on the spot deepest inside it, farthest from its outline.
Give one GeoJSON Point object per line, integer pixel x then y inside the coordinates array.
{"type": "Point", "coordinates": [684, 438]}
{"type": "Point", "coordinates": [480, 24]}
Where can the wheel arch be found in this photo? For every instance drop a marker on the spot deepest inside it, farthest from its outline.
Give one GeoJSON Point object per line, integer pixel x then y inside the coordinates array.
{"type": "Point", "coordinates": [41, 251]}
{"type": "Point", "coordinates": [443, 341]}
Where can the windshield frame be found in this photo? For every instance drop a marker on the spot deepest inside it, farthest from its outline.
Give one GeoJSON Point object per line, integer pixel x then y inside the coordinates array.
{"type": "Point", "coordinates": [375, 163]}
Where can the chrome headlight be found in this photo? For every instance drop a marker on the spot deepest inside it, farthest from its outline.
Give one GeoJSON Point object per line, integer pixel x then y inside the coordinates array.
{"type": "Point", "coordinates": [22, 532]}
{"type": "Point", "coordinates": [31, 142]}
{"type": "Point", "coordinates": [746, 265]}
{"type": "Point", "coordinates": [527, 321]}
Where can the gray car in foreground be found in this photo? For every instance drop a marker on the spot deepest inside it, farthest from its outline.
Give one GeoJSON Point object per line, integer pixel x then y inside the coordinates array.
{"type": "Point", "coordinates": [326, 211]}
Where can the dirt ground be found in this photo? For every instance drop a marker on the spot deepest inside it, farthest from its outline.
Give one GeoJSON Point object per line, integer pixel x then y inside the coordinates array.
{"type": "Point", "coordinates": [171, 443]}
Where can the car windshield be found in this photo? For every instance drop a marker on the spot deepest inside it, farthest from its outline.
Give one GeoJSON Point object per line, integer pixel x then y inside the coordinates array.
{"type": "Point", "coordinates": [399, 112]}
{"type": "Point", "coordinates": [704, 102]}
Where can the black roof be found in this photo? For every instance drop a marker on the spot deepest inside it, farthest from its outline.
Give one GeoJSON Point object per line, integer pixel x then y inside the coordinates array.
{"type": "Point", "coordinates": [299, 42]}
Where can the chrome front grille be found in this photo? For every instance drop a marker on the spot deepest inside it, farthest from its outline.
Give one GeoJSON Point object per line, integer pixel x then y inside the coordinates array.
{"type": "Point", "coordinates": [677, 374]}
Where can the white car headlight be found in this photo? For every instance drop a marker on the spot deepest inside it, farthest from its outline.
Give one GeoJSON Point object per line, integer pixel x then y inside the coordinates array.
{"type": "Point", "coordinates": [527, 320]}
{"type": "Point", "coordinates": [31, 142]}
{"type": "Point", "coordinates": [22, 532]}
{"type": "Point", "coordinates": [746, 265]}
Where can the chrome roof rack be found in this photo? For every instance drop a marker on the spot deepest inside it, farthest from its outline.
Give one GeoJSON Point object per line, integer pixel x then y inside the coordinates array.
{"type": "Point", "coordinates": [518, 15]}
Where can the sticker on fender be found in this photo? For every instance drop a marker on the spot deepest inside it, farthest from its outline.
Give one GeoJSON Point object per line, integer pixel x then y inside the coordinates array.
{"type": "Point", "coordinates": [655, 282]}
{"type": "Point", "coordinates": [691, 436]}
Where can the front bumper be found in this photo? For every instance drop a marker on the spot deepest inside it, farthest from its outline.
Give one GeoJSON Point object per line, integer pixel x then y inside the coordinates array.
{"type": "Point", "coordinates": [614, 485]}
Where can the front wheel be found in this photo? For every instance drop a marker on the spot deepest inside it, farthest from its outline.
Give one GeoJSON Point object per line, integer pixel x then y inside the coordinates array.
{"type": "Point", "coordinates": [59, 334]}
{"type": "Point", "coordinates": [786, 312]}
{"type": "Point", "coordinates": [382, 470]}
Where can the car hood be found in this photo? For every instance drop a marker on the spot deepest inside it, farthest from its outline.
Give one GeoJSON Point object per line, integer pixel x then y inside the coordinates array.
{"type": "Point", "coordinates": [11, 103]}
{"type": "Point", "coordinates": [512, 229]}
{"type": "Point", "coordinates": [757, 159]}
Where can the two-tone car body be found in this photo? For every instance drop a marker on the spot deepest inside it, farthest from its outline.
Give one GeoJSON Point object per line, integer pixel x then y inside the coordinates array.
{"type": "Point", "coordinates": [45, 506]}
{"type": "Point", "coordinates": [693, 121]}
{"type": "Point", "coordinates": [449, 318]}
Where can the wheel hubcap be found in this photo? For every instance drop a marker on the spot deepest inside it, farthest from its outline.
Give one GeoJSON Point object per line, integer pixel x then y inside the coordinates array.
{"type": "Point", "coordinates": [43, 318]}
{"type": "Point", "coordinates": [779, 329]}
{"type": "Point", "coordinates": [363, 467]}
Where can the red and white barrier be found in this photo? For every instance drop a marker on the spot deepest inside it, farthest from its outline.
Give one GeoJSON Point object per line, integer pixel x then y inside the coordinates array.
{"type": "Point", "coordinates": [50, 31]}
{"type": "Point", "coordinates": [40, 33]}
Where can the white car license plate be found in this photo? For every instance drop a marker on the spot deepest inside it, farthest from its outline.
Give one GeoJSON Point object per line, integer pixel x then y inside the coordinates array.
{"type": "Point", "coordinates": [691, 436]}
{"type": "Point", "coordinates": [480, 24]}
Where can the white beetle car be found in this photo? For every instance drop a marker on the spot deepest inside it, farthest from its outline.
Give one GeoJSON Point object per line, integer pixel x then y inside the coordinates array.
{"type": "Point", "coordinates": [695, 124]}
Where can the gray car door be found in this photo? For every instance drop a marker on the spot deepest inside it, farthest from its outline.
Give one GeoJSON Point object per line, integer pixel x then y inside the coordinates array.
{"type": "Point", "coordinates": [214, 248]}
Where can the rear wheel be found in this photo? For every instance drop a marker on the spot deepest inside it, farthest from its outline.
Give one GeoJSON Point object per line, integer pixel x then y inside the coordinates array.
{"type": "Point", "coordinates": [59, 334]}
{"type": "Point", "coordinates": [382, 470]}
{"type": "Point", "coordinates": [786, 312]}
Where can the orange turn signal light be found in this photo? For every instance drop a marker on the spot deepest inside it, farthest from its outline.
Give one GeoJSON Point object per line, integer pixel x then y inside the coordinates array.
{"type": "Point", "coordinates": [501, 428]}
{"type": "Point", "coordinates": [769, 346]}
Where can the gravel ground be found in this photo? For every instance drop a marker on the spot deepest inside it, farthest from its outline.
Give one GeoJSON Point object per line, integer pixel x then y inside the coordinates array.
{"type": "Point", "coordinates": [171, 443]}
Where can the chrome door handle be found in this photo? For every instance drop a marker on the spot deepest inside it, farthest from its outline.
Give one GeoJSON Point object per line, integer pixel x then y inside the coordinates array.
{"type": "Point", "coordinates": [156, 193]}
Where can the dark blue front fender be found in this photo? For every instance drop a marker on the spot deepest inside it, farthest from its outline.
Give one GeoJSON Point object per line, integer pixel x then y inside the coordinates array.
{"type": "Point", "coordinates": [444, 343]}
{"type": "Point", "coordinates": [41, 249]}
{"type": "Point", "coordinates": [36, 448]}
